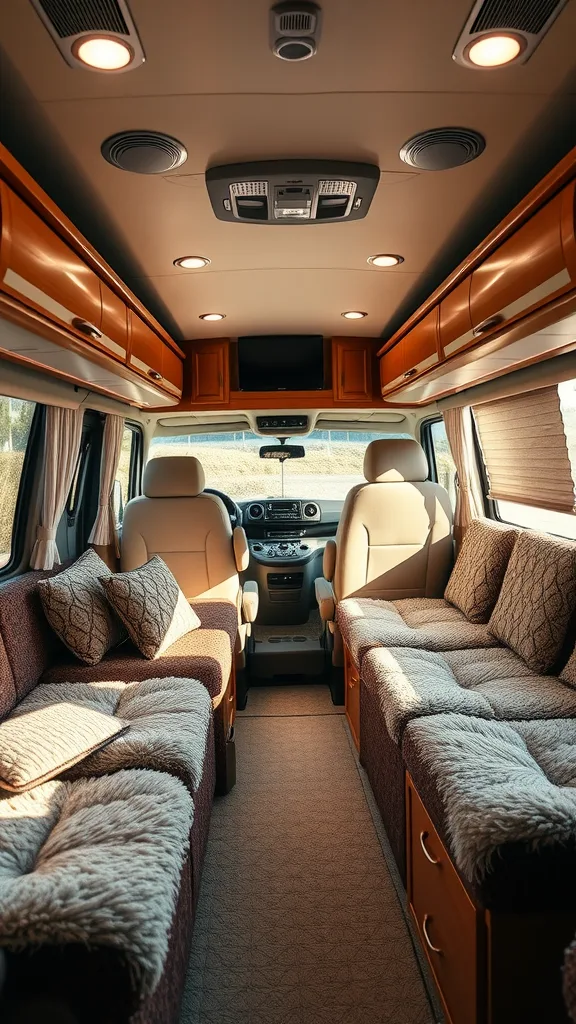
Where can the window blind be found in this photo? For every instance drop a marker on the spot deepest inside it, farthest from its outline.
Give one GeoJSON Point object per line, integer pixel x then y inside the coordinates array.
{"type": "Point", "coordinates": [525, 450]}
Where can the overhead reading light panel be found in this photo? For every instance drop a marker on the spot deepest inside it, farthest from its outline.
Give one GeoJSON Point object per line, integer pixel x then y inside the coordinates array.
{"type": "Point", "coordinates": [72, 24]}
{"type": "Point", "coordinates": [525, 22]}
{"type": "Point", "coordinates": [292, 191]}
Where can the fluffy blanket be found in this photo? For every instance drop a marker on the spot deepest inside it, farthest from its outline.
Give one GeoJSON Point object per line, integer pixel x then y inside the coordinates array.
{"type": "Point", "coordinates": [500, 784]}
{"type": "Point", "coordinates": [168, 723]}
{"type": "Point", "coordinates": [97, 861]}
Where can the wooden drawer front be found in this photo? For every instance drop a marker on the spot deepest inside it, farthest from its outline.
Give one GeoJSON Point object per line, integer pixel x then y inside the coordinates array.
{"type": "Point", "coordinates": [413, 355]}
{"type": "Point", "coordinates": [41, 271]}
{"type": "Point", "coordinates": [172, 371]}
{"type": "Point", "coordinates": [534, 266]}
{"type": "Point", "coordinates": [455, 321]}
{"type": "Point", "coordinates": [352, 697]}
{"type": "Point", "coordinates": [352, 362]}
{"type": "Point", "coordinates": [145, 350]}
{"type": "Point", "coordinates": [446, 919]}
{"type": "Point", "coordinates": [114, 324]}
{"type": "Point", "coordinates": [210, 373]}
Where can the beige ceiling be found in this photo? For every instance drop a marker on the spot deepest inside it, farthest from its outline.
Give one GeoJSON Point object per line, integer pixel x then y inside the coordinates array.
{"type": "Point", "coordinates": [383, 72]}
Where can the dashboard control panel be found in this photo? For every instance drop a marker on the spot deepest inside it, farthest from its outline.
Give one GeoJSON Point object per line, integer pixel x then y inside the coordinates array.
{"type": "Point", "coordinates": [283, 511]}
{"type": "Point", "coordinates": [291, 551]}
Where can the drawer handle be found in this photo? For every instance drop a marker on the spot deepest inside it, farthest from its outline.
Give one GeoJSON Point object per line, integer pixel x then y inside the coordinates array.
{"type": "Point", "coordinates": [489, 324]}
{"type": "Point", "coordinates": [154, 374]}
{"type": "Point", "coordinates": [423, 838]}
{"type": "Point", "coordinates": [86, 328]}
{"type": "Point", "coordinates": [435, 949]}
{"type": "Point", "coordinates": [410, 373]}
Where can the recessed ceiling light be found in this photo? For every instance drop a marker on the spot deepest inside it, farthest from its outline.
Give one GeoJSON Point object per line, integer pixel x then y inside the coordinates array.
{"type": "Point", "coordinates": [212, 316]}
{"type": "Point", "coordinates": [192, 262]}
{"type": "Point", "coordinates": [103, 53]}
{"type": "Point", "coordinates": [385, 259]}
{"type": "Point", "coordinates": [354, 314]}
{"type": "Point", "coordinates": [495, 50]}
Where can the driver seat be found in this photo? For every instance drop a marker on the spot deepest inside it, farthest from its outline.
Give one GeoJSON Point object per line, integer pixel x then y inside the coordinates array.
{"type": "Point", "coordinates": [189, 529]}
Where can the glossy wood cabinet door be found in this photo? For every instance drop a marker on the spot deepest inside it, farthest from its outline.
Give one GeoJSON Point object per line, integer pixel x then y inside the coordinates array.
{"type": "Point", "coordinates": [40, 270]}
{"type": "Point", "coordinates": [413, 355]}
{"type": "Point", "coordinates": [352, 696]}
{"type": "Point", "coordinates": [172, 371]}
{"type": "Point", "coordinates": [211, 372]}
{"type": "Point", "coordinates": [535, 265]}
{"type": "Point", "coordinates": [449, 925]}
{"type": "Point", "coordinates": [455, 320]}
{"type": "Point", "coordinates": [114, 323]}
{"type": "Point", "coordinates": [146, 350]}
{"type": "Point", "coordinates": [351, 369]}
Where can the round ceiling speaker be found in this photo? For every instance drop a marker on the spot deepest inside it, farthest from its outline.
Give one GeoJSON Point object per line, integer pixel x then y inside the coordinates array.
{"type": "Point", "coordinates": [439, 149]}
{"type": "Point", "coordinates": [144, 152]}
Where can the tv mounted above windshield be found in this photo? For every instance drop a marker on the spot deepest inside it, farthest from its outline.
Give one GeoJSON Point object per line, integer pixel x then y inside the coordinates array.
{"type": "Point", "coordinates": [281, 362]}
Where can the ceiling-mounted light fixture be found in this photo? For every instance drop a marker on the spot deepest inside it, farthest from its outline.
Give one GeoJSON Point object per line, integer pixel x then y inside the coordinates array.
{"type": "Point", "coordinates": [191, 262]}
{"type": "Point", "coordinates": [354, 314]}
{"type": "Point", "coordinates": [295, 29]}
{"type": "Point", "coordinates": [212, 316]}
{"type": "Point", "coordinates": [385, 259]}
{"type": "Point", "coordinates": [103, 53]}
{"type": "Point", "coordinates": [494, 51]}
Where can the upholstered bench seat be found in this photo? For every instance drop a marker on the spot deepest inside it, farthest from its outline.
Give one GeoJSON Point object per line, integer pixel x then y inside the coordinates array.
{"type": "Point", "coordinates": [418, 622]}
{"type": "Point", "coordinates": [90, 877]}
{"type": "Point", "coordinates": [503, 799]}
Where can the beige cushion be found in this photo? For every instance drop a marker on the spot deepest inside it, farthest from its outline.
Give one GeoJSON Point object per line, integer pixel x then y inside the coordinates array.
{"type": "Point", "coordinates": [395, 460]}
{"type": "Point", "coordinates": [173, 476]}
{"type": "Point", "coordinates": [537, 599]}
{"type": "Point", "coordinates": [241, 549]}
{"type": "Point", "coordinates": [329, 560]}
{"type": "Point", "coordinates": [477, 576]}
{"type": "Point", "coordinates": [151, 606]}
{"type": "Point", "coordinates": [75, 605]}
{"type": "Point", "coordinates": [37, 743]}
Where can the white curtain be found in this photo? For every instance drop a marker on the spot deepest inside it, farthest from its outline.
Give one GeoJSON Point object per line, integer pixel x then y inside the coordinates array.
{"type": "Point", "coordinates": [63, 436]}
{"type": "Point", "coordinates": [469, 504]}
{"type": "Point", "coordinates": [104, 529]}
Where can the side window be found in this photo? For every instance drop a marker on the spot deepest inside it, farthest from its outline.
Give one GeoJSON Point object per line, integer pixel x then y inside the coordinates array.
{"type": "Point", "coordinates": [127, 483]}
{"type": "Point", "coordinates": [15, 426]}
{"type": "Point", "coordinates": [442, 467]}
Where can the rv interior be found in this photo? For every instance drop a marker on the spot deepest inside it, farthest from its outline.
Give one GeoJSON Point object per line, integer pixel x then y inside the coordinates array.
{"type": "Point", "coordinates": [287, 512]}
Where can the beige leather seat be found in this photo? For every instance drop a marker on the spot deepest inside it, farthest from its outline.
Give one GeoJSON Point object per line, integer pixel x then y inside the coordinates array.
{"type": "Point", "coordinates": [394, 538]}
{"type": "Point", "coordinates": [190, 530]}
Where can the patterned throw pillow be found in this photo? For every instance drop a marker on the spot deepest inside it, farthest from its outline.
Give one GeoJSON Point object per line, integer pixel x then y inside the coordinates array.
{"type": "Point", "coordinates": [477, 576]}
{"type": "Point", "coordinates": [38, 743]}
{"type": "Point", "coordinates": [151, 606]}
{"type": "Point", "coordinates": [537, 599]}
{"type": "Point", "coordinates": [76, 608]}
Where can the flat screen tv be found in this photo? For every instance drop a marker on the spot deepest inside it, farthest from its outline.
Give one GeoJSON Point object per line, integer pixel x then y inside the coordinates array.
{"type": "Point", "coordinates": [281, 362]}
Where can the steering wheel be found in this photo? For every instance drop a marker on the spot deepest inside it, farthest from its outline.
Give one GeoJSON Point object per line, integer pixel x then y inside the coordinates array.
{"type": "Point", "coordinates": [234, 510]}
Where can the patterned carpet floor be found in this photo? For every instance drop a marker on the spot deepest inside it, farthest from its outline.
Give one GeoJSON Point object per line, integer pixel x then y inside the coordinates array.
{"type": "Point", "coordinates": [299, 920]}
{"type": "Point", "coordinates": [286, 700]}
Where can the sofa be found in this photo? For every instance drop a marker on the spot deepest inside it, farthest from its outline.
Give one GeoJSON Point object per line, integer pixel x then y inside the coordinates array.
{"type": "Point", "coordinates": [100, 866]}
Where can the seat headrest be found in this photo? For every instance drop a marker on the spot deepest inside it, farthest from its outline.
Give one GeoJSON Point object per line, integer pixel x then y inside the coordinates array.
{"type": "Point", "coordinates": [175, 476]}
{"type": "Point", "coordinates": [394, 460]}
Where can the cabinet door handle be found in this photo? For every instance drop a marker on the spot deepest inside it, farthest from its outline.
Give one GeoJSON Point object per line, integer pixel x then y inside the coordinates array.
{"type": "Point", "coordinates": [435, 949]}
{"type": "Point", "coordinates": [410, 373]}
{"type": "Point", "coordinates": [423, 838]}
{"type": "Point", "coordinates": [85, 327]}
{"type": "Point", "coordinates": [154, 374]}
{"type": "Point", "coordinates": [489, 324]}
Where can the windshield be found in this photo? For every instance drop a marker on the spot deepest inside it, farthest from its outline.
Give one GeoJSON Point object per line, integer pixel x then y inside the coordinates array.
{"type": "Point", "coordinates": [332, 465]}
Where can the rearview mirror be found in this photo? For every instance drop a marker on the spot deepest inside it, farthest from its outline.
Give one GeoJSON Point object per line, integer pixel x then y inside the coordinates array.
{"type": "Point", "coordinates": [282, 451]}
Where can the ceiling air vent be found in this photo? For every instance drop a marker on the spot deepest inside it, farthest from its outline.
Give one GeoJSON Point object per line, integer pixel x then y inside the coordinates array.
{"type": "Point", "coordinates": [144, 152]}
{"type": "Point", "coordinates": [441, 148]}
{"type": "Point", "coordinates": [70, 22]}
{"type": "Point", "coordinates": [292, 191]}
{"type": "Point", "coordinates": [526, 21]}
{"type": "Point", "coordinates": [294, 29]}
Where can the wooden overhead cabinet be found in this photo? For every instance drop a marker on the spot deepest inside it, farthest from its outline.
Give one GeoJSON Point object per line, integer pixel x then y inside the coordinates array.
{"type": "Point", "coordinates": [352, 369]}
{"type": "Point", "coordinates": [412, 355]}
{"type": "Point", "coordinates": [211, 372]}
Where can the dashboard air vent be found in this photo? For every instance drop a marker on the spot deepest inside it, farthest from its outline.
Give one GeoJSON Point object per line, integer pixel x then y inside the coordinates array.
{"type": "Point", "coordinates": [256, 511]}
{"type": "Point", "coordinates": [442, 148]}
{"type": "Point", "coordinates": [310, 510]}
{"type": "Point", "coordinates": [144, 152]}
{"type": "Point", "coordinates": [69, 21]}
{"type": "Point", "coordinates": [528, 21]}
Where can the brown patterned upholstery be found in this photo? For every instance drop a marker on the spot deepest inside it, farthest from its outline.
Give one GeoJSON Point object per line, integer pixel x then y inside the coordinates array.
{"type": "Point", "coordinates": [31, 645]}
{"type": "Point", "coordinates": [476, 578]}
{"type": "Point", "coordinates": [569, 980]}
{"type": "Point", "coordinates": [7, 687]}
{"type": "Point", "coordinates": [537, 599]}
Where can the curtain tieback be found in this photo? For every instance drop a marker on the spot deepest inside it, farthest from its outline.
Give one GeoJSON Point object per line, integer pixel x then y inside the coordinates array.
{"type": "Point", "coordinates": [46, 533]}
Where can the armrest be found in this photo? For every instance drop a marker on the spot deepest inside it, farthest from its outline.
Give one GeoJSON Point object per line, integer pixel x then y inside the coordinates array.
{"type": "Point", "coordinates": [325, 598]}
{"type": "Point", "coordinates": [241, 549]}
{"type": "Point", "coordinates": [250, 601]}
{"type": "Point", "coordinates": [329, 560]}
